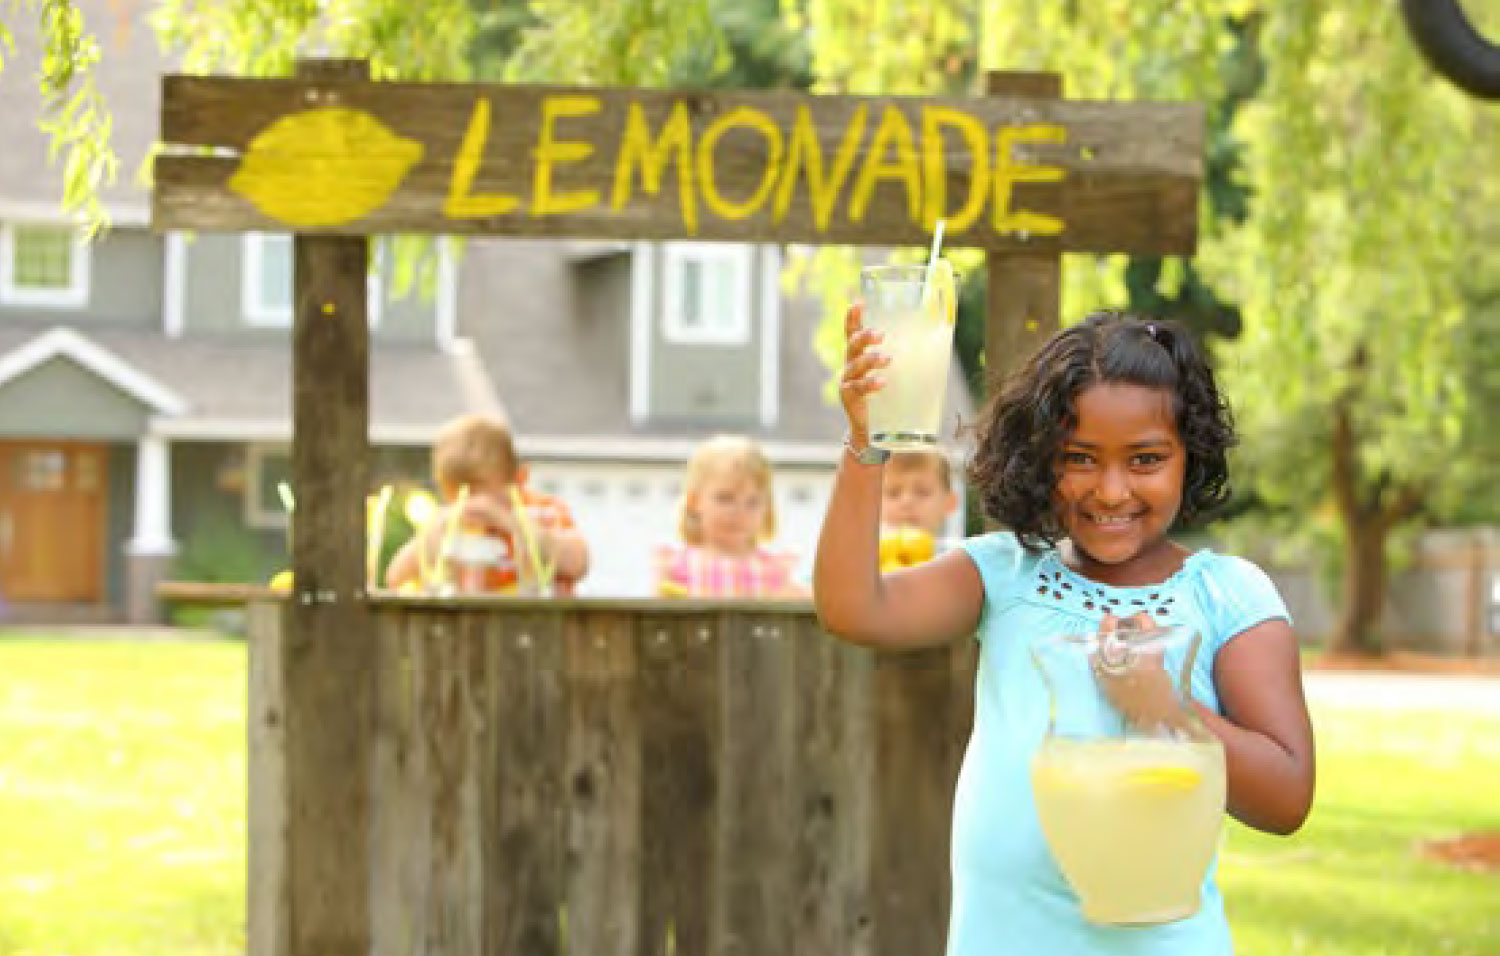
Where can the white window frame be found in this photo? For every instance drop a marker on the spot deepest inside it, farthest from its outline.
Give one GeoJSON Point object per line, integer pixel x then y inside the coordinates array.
{"type": "Point", "coordinates": [272, 519]}
{"type": "Point", "coordinates": [259, 313]}
{"type": "Point", "coordinates": [75, 296]}
{"type": "Point", "coordinates": [735, 330]}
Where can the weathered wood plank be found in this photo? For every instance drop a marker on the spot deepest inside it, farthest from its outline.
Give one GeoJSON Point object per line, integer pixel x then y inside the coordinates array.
{"type": "Point", "coordinates": [525, 817]}
{"type": "Point", "coordinates": [327, 672]}
{"type": "Point", "coordinates": [603, 781]}
{"type": "Point", "coordinates": [681, 695]}
{"type": "Point", "coordinates": [741, 166]}
{"type": "Point", "coordinates": [754, 909]}
{"type": "Point", "coordinates": [456, 735]}
{"type": "Point", "coordinates": [400, 826]}
{"type": "Point", "coordinates": [1024, 288]}
{"type": "Point", "coordinates": [835, 795]}
{"type": "Point", "coordinates": [914, 798]}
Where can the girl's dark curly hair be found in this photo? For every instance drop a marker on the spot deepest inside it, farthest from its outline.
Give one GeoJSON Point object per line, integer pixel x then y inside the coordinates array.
{"type": "Point", "coordinates": [1021, 432]}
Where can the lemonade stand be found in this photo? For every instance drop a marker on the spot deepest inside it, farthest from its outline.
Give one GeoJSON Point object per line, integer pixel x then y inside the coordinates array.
{"type": "Point", "coordinates": [434, 774]}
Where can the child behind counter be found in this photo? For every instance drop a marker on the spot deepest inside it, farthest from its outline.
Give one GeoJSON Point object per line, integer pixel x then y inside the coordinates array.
{"type": "Point", "coordinates": [726, 517]}
{"type": "Point", "coordinates": [916, 500]}
{"type": "Point", "coordinates": [476, 468]}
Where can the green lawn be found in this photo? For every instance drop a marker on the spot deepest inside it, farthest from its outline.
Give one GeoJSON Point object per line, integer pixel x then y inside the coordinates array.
{"type": "Point", "coordinates": [122, 799]}
{"type": "Point", "coordinates": [122, 815]}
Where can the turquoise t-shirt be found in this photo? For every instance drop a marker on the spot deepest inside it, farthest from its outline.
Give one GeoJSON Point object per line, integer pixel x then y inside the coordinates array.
{"type": "Point", "coordinates": [1009, 897]}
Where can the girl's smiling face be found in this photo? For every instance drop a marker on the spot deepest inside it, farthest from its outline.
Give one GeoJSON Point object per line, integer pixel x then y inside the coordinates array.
{"type": "Point", "coordinates": [731, 510]}
{"type": "Point", "coordinates": [1120, 480]}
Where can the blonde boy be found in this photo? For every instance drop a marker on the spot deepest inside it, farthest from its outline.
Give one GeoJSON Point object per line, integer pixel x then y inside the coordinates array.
{"type": "Point", "coordinates": [477, 453]}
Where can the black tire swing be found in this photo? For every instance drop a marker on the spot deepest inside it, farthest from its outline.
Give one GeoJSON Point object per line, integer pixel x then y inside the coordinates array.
{"type": "Point", "coordinates": [1453, 47]}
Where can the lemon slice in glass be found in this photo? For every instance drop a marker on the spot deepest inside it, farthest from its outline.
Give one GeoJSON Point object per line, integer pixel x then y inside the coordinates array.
{"type": "Point", "coordinates": [942, 298]}
{"type": "Point", "coordinates": [1165, 778]}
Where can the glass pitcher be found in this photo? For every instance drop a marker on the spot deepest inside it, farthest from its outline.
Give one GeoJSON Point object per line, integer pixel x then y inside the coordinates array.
{"type": "Point", "coordinates": [1129, 783]}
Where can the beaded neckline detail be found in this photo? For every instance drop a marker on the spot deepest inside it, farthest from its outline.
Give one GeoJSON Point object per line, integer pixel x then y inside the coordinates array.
{"type": "Point", "coordinates": [1055, 584]}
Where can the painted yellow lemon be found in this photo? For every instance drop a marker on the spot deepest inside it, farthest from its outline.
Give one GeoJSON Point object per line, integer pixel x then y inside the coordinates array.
{"type": "Point", "coordinates": [323, 167]}
{"type": "Point", "coordinates": [942, 294]}
{"type": "Point", "coordinates": [282, 581]}
{"type": "Point", "coordinates": [1165, 778]}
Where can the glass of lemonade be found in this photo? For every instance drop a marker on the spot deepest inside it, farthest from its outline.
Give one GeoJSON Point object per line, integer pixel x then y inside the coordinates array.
{"type": "Point", "coordinates": [918, 327]}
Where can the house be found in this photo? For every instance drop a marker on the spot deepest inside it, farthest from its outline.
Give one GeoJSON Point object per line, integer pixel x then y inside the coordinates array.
{"type": "Point", "coordinates": [145, 396]}
{"type": "Point", "coordinates": [145, 379]}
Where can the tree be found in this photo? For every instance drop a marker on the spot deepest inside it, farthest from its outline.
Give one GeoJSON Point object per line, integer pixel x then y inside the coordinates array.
{"type": "Point", "coordinates": [74, 113]}
{"type": "Point", "coordinates": [1351, 378]}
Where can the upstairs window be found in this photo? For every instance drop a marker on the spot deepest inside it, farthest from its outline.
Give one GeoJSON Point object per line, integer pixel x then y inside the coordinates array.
{"type": "Point", "coordinates": [43, 265]}
{"type": "Point", "coordinates": [266, 291]}
{"type": "Point", "coordinates": [707, 293]}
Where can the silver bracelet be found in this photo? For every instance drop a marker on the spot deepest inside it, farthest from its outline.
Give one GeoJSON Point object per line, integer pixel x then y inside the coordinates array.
{"type": "Point", "coordinates": [868, 455]}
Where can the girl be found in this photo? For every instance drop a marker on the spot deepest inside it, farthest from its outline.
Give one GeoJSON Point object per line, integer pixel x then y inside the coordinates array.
{"type": "Point", "coordinates": [727, 513]}
{"type": "Point", "coordinates": [1113, 431]}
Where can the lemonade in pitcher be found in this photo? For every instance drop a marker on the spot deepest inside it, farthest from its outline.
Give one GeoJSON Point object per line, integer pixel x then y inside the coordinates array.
{"type": "Point", "coordinates": [1129, 785]}
{"type": "Point", "coordinates": [1133, 823]}
{"type": "Point", "coordinates": [916, 315]}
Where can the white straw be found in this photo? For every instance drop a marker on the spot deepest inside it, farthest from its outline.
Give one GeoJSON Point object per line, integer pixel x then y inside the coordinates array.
{"type": "Point", "coordinates": [937, 242]}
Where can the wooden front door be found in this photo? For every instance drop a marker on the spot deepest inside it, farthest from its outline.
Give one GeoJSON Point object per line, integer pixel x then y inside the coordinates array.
{"type": "Point", "coordinates": [53, 497]}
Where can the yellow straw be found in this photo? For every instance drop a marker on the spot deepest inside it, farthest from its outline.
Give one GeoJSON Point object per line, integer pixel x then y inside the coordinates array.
{"type": "Point", "coordinates": [937, 243]}
{"type": "Point", "coordinates": [375, 530]}
{"type": "Point", "coordinates": [455, 516]}
{"type": "Point", "coordinates": [524, 520]}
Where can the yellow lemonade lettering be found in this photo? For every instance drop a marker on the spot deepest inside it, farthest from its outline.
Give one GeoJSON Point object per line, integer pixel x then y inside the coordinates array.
{"type": "Point", "coordinates": [1008, 172]}
{"type": "Point", "coordinates": [637, 148]}
{"type": "Point", "coordinates": [822, 191]}
{"type": "Point", "coordinates": [935, 167]}
{"type": "Point", "coordinates": [551, 151]}
{"type": "Point", "coordinates": [748, 118]}
{"type": "Point", "coordinates": [893, 131]}
{"type": "Point", "coordinates": [461, 202]}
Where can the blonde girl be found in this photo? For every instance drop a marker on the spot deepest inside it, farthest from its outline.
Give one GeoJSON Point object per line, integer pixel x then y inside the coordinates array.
{"type": "Point", "coordinates": [725, 520]}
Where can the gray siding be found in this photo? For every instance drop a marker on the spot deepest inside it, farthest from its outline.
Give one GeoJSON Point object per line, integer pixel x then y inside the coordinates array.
{"type": "Point", "coordinates": [60, 399]}
{"type": "Point", "coordinates": [125, 289]}
{"type": "Point", "coordinates": [211, 298]}
{"type": "Point", "coordinates": [705, 384]}
{"type": "Point", "coordinates": [602, 332]}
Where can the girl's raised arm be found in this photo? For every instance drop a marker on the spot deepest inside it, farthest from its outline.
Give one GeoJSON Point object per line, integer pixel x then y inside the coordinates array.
{"type": "Point", "coordinates": [930, 604]}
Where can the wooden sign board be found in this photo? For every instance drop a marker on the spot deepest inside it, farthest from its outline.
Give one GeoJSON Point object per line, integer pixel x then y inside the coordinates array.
{"type": "Point", "coordinates": [359, 157]}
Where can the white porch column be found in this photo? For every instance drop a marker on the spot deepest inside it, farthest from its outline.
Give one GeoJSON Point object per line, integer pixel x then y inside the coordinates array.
{"type": "Point", "coordinates": [153, 500]}
{"type": "Point", "coordinates": [148, 553]}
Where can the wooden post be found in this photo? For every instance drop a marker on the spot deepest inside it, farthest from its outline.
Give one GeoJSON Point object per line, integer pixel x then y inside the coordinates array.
{"type": "Point", "coordinates": [328, 658]}
{"type": "Point", "coordinates": [1024, 294]}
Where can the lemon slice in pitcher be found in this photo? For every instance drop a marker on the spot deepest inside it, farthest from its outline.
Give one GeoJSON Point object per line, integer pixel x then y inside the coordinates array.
{"type": "Point", "coordinates": [942, 298]}
{"type": "Point", "coordinates": [1165, 778]}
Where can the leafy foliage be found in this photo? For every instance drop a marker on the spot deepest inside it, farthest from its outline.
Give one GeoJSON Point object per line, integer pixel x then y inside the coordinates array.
{"type": "Point", "coordinates": [1367, 218]}
{"type": "Point", "coordinates": [74, 113]}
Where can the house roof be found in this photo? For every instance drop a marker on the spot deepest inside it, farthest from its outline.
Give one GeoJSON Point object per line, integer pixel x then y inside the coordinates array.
{"type": "Point", "coordinates": [229, 389]}
{"type": "Point", "coordinates": [128, 74]}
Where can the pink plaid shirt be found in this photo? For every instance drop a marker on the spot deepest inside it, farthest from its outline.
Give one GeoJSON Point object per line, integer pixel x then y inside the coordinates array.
{"type": "Point", "coordinates": [686, 571]}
